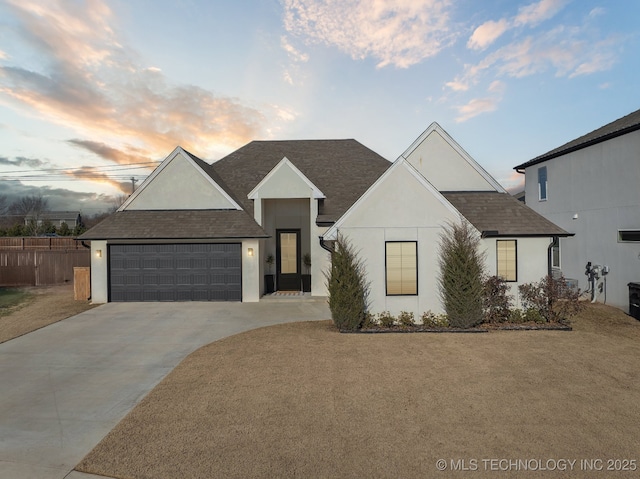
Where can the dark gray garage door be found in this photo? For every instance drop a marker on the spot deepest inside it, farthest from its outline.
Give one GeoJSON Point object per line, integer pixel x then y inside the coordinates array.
{"type": "Point", "coordinates": [175, 272]}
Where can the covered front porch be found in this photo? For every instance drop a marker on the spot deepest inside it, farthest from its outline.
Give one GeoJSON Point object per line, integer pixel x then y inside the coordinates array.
{"type": "Point", "coordinates": [285, 204]}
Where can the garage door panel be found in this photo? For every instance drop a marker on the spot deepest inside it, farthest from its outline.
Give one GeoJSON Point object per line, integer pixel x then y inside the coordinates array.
{"type": "Point", "coordinates": [178, 272]}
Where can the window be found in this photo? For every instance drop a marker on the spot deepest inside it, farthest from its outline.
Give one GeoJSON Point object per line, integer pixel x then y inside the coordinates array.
{"type": "Point", "coordinates": [507, 259]}
{"type": "Point", "coordinates": [555, 253]}
{"type": "Point", "coordinates": [402, 268]}
{"type": "Point", "coordinates": [628, 236]}
{"type": "Point", "coordinates": [542, 183]}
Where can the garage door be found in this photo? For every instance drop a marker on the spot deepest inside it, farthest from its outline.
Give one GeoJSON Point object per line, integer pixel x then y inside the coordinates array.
{"type": "Point", "coordinates": [175, 272]}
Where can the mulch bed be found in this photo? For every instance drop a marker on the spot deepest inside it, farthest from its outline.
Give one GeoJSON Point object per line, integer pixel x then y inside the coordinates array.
{"type": "Point", "coordinates": [483, 328]}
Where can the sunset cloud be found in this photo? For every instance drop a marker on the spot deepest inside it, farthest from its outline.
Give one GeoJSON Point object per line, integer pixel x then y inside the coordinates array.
{"type": "Point", "coordinates": [393, 32]}
{"type": "Point", "coordinates": [529, 15]}
{"type": "Point", "coordinates": [566, 52]}
{"type": "Point", "coordinates": [92, 84]}
{"type": "Point", "coordinates": [538, 12]}
{"type": "Point", "coordinates": [21, 161]}
{"type": "Point", "coordinates": [487, 33]}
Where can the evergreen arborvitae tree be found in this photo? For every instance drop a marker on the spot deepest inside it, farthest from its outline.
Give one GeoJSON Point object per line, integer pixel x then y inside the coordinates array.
{"type": "Point", "coordinates": [460, 283]}
{"type": "Point", "coordinates": [347, 287]}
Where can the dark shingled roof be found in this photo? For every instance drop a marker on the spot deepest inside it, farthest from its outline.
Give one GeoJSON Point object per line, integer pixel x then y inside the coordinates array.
{"type": "Point", "coordinates": [176, 224]}
{"type": "Point", "coordinates": [342, 169]}
{"type": "Point", "coordinates": [500, 214]}
{"type": "Point", "coordinates": [620, 127]}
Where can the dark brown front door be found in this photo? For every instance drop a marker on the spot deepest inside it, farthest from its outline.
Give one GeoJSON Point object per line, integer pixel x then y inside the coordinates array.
{"type": "Point", "coordinates": [288, 260]}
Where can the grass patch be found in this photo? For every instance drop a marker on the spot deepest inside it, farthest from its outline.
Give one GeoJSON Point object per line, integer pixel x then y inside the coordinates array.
{"type": "Point", "coordinates": [11, 297]}
{"type": "Point", "coordinates": [301, 400]}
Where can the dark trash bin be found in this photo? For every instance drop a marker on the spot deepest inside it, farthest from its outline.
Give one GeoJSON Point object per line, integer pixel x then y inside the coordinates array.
{"type": "Point", "coordinates": [634, 300]}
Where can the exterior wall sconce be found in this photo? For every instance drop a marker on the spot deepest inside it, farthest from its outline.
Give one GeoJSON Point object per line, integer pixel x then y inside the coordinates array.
{"type": "Point", "coordinates": [99, 253]}
{"type": "Point", "coordinates": [250, 252]}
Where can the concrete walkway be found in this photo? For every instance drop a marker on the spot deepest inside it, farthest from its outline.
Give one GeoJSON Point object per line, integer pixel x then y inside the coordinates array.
{"type": "Point", "coordinates": [64, 387]}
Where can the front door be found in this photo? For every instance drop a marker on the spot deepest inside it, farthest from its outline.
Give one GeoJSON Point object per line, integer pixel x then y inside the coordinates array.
{"type": "Point", "coordinates": [288, 260]}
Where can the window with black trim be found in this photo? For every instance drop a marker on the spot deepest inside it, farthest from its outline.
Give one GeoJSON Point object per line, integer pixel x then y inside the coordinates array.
{"type": "Point", "coordinates": [507, 259]}
{"type": "Point", "coordinates": [628, 236]}
{"type": "Point", "coordinates": [542, 183]}
{"type": "Point", "coordinates": [555, 253]}
{"type": "Point", "coordinates": [401, 261]}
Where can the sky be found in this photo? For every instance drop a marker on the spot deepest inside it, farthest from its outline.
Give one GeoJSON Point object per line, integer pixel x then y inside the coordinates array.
{"type": "Point", "coordinates": [95, 92]}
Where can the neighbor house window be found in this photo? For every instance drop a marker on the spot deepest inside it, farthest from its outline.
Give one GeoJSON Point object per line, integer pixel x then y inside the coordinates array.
{"type": "Point", "coordinates": [402, 268]}
{"type": "Point", "coordinates": [555, 253]}
{"type": "Point", "coordinates": [542, 183]}
{"type": "Point", "coordinates": [507, 259]}
{"type": "Point", "coordinates": [628, 236]}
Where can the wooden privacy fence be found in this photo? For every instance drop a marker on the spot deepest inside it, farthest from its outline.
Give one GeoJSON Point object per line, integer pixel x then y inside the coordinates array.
{"type": "Point", "coordinates": [40, 267]}
{"type": "Point", "coordinates": [39, 243]}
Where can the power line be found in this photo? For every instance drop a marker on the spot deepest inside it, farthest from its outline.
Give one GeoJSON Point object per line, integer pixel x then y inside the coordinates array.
{"type": "Point", "coordinates": [100, 168]}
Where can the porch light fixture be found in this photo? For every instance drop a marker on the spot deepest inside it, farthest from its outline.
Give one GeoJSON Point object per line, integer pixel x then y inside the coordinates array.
{"type": "Point", "coordinates": [250, 252]}
{"type": "Point", "coordinates": [99, 253]}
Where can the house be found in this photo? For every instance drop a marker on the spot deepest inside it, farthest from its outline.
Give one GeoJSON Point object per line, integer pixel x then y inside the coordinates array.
{"type": "Point", "coordinates": [56, 218]}
{"type": "Point", "coordinates": [194, 231]}
{"type": "Point", "coordinates": [397, 223]}
{"type": "Point", "coordinates": [590, 187]}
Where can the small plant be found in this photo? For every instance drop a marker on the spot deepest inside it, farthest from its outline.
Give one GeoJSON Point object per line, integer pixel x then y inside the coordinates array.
{"type": "Point", "coordinates": [369, 321]}
{"type": "Point", "coordinates": [406, 319]}
{"type": "Point", "coordinates": [269, 260]}
{"type": "Point", "coordinates": [386, 319]}
{"type": "Point", "coordinates": [306, 260]}
{"type": "Point", "coordinates": [516, 316]}
{"type": "Point", "coordinates": [552, 298]}
{"type": "Point", "coordinates": [533, 315]}
{"type": "Point", "coordinates": [432, 320]}
{"type": "Point", "coordinates": [496, 301]}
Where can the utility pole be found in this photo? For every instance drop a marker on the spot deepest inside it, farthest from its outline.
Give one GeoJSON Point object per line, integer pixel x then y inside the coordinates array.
{"type": "Point", "coordinates": [133, 184]}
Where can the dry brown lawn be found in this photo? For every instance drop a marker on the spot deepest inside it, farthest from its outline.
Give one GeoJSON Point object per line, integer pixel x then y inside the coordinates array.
{"type": "Point", "coordinates": [301, 400]}
{"type": "Point", "coordinates": [45, 305]}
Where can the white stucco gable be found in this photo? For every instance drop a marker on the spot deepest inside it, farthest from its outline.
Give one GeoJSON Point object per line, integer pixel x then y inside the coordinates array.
{"type": "Point", "coordinates": [447, 166]}
{"type": "Point", "coordinates": [285, 181]}
{"type": "Point", "coordinates": [179, 183]}
{"type": "Point", "coordinates": [401, 198]}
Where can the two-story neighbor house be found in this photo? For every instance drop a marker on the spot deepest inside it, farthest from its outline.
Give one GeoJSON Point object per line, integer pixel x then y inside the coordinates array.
{"type": "Point", "coordinates": [194, 231]}
{"type": "Point", "coordinates": [590, 187]}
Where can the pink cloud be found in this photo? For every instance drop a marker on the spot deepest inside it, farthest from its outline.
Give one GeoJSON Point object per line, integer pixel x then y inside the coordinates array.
{"type": "Point", "coordinates": [394, 32]}
{"type": "Point", "coordinates": [487, 33]}
{"type": "Point", "coordinates": [94, 85]}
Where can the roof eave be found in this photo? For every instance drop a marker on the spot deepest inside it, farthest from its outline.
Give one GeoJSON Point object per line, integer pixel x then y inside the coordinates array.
{"type": "Point", "coordinates": [496, 234]}
{"type": "Point", "coordinates": [586, 144]}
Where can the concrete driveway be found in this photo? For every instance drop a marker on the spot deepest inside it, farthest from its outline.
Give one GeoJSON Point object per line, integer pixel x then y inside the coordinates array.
{"type": "Point", "coordinates": [64, 387]}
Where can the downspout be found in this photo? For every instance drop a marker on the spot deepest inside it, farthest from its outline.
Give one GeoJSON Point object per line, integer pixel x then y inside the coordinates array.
{"type": "Point", "coordinates": [549, 248]}
{"type": "Point", "coordinates": [85, 244]}
{"type": "Point", "coordinates": [323, 245]}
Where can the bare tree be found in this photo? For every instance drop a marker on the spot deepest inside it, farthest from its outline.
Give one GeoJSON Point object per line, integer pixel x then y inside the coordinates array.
{"type": "Point", "coordinates": [5, 219]}
{"type": "Point", "coordinates": [30, 207]}
{"type": "Point", "coordinates": [117, 201]}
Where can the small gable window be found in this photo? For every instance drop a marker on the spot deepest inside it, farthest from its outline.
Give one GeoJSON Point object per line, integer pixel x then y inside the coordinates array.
{"type": "Point", "coordinates": [542, 183]}
{"type": "Point", "coordinates": [401, 267]}
{"type": "Point", "coordinates": [507, 259]}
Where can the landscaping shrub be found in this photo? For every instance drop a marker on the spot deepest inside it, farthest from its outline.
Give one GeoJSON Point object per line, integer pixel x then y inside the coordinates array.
{"type": "Point", "coordinates": [461, 270]}
{"type": "Point", "coordinates": [552, 298]}
{"type": "Point", "coordinates": [369, 321]}
{"type": "Point", "coordinates": [432, 320]}
{"type": "Point", "coordinates": [386, 319]}
{"type": "Point", "coordinates": [347, 287]}
{"type": "Point", "coordinates": [406, 319]}
{"type": "Point", "coordinates": [516, 316]}
{"type": "Point", "coordinates": [497, 303]}
{"type": "Point", "coordinates": [533, 315]}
